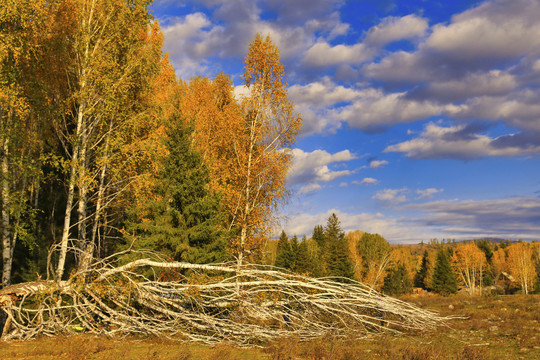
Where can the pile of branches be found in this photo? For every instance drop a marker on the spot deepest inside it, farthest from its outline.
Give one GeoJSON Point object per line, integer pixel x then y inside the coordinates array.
{"type": "Point", "coordinates": [244, 305]}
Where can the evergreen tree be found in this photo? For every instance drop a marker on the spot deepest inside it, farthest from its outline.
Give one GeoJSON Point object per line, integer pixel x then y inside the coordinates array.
{"type": "Point", "coordinates": [338, 261]}
{"type": "Point", "coordinates": [318, 236]}
{"type": "Point", "coordinates": [444, 280]}
{"type": "Point", "coordinates": [294, 250]}
{"type": "Point", "coordinates": [182, 221]}
{"type": "Point", "coordinates": [304, 263]}
{"type": "Point", "coordinates": [285, 256]}
{"type": "Point", "coordinates": [485, 246]}
{"type": "Point", "coordinates": [397, 281]}
{"type": "Point", "coordinates": [420, 277]}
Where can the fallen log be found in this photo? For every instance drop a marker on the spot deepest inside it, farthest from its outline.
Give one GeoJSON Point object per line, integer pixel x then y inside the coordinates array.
{"type": "Point", "coordinates": [244, 305]}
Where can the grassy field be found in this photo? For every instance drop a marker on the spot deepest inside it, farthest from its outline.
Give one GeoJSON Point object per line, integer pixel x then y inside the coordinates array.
{"type": "Point", "coordinates": [506, 327]}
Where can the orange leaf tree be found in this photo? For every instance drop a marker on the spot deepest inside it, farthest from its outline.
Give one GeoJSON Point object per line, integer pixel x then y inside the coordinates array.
{"type": "Point", "coordinates": [469, 262]}
{"type": "Point", "coordinates": [270, 126]}
{"type": "Point", "coordinates": [521, 264]}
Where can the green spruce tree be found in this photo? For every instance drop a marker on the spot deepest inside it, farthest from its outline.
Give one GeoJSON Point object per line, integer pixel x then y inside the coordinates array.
{"type": "Point", "coordinates": [182, 222]}
{"type": "Point", "coordinates": [338, 260]}
{"type": "Point", "coordinates": [397, 281]}
{"type": "Point", "coordinates": [444, 280]}
{"type": "Point", "coordinates": [285, 256]}
{"type": "Point", "coordinates": [318, 236]}
{"type": "Point", "coordinates": [304, 262]}
{"type": "Point", "coordinates": [420, 277]}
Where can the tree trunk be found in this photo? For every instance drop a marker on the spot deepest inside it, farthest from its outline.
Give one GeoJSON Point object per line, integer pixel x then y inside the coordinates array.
{"type": "Point", "coordinates": [71, 193]}
{"type": "Point", "coordinates": [6, 239]}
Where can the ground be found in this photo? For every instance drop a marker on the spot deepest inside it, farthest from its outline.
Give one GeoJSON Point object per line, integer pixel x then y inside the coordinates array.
{"type": "Point", "coordinates": [501, 327]}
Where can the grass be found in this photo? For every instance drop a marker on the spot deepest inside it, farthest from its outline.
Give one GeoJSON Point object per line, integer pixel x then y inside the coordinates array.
{"type": "Point", "coordinates": [506, 327]}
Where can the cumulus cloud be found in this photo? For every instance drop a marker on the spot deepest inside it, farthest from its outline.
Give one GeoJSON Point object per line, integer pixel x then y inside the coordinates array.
{"type": "Point", "coordinates": [464, 142]}
{"type": "Point", "coordinates": [323, 54]}
{"type": "Point", "coordinates": [374, 164]}
{"type": "Point", "coordinates": [311, 168]}
{"type": "Point", "coordinates": [393, 29]}
{"type": "Point", "coordinates": [391, 196]}
{"type": "Point", "coordinates": [366, 181]}
{"type": "Point", "coordinates": [492, 82]}
{"type": "Point", "coordinates": [310, 188]}
{"type": "Point", "coordinates": [375, 110]}
{"type": "Point", "coordinates": [495, 29]}
{"type": "Point", "coordinates": [316, 100]}
{"type": "Point", "coordinates": [427, 193]}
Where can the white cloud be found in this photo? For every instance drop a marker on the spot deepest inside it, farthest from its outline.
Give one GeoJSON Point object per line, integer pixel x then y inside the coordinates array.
{"type": "Point", "coordinates": [376, 110]}
{"type": "Point", "coordinates": [323, 54]}
{"type": "Point", "coordinates": [390, 228]}
{"type": "Point", "coordinates": [374, 164]}
{"type": "Point", "coordinates": [391, 196]}
{"type": "Point", "coordinates": [367, 181]}
{"type": "Point", "coordinates": [311, 168]}
{"type": "Point", "coordinates": [315, 102]}
{"type": "Point", "coordinates": [427, 193]}
{"type": "Point", "coordinates": [392, 29]}
{"type": "Point", "coordinates": [463, 142]}
{"type": "Point", "coordinates": [310, 188]}
{"type": "Point", "coordinates": [495, 29]}
{"type": "Point", "coordinates": [515, 218]}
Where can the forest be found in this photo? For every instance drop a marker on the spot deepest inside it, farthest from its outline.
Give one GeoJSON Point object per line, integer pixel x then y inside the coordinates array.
{"type": "Point", "coordinates": [110, 164]}
{"type": "Point", "coordinates": [104, 148]}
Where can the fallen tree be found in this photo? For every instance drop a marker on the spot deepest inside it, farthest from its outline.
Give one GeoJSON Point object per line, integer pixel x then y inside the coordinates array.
{"type": "Point", "coordinates": [244, 305]}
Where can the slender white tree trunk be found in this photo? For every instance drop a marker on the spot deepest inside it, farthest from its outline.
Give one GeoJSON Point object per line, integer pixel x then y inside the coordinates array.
{"type": "Point", "coordinates": [6, 238]}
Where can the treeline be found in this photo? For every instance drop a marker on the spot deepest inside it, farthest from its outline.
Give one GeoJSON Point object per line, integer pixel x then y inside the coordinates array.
{"type": "Point", "coordinates": [103, 149]}
{"type": "Point", "coordinates": [476, 266]}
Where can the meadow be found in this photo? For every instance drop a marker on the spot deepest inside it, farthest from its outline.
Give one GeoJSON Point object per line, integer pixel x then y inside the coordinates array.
{"type": "Point", "coordinates": [494, 327]}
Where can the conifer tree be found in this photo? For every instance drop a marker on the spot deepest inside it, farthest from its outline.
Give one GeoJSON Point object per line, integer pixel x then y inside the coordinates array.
{"type": "Point", "coordinates": [420, 277]}
{"type": "Point", "coordinates": [304, 263]}
{"type": "Point", "coordinates": [318, 235]}
{"type": "Point", "coordinates": [444, 280]}
{"type": "Point", "coordinates": [338, 261]}
{"type": "Point", "coordinates": [285, 256]}
{"type": "Point", "coordinates": [183, 221]}
{"type": "Point", "coordinates": [397, 281]}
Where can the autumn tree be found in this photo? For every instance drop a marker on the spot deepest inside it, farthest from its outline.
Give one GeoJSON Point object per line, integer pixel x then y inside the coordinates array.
{"type": "Point", "coordinates": [375, 253]}
{"type": "Point", "coordinates": [269, 127]}
{"type": "Point", "coordinates": [469, 263]}
{"type": "Point", "coordinates": [521, 265]}
{"type": "Point", "coordinates": [21, 26]}
{"type": "Point", "coordinates": [109, 53]}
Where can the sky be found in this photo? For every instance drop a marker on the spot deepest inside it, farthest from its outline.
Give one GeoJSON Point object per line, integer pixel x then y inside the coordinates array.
{"type": "Point", "coordinates": [421, 117]}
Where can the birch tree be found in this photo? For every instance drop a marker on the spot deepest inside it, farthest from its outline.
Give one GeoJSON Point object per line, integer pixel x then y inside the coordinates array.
{"type": "Point", "coordinates": [270, 126]}
{"type": "Point", "coordinates": [20, 24]}
{"type": "Point", "coordinates": [111, 51]}
{"type": "Point", "coordinates": [521, 264]}
{"type": "Point", "coordinates": [469, 263]}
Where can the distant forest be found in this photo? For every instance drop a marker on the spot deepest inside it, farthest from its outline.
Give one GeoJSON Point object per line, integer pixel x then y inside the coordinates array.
{"type": "Point", "coordinates": [477, 267]}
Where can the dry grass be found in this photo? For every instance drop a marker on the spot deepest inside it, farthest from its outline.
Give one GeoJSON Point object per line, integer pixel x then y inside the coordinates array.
{"type": "Point", "coordinates": [506, 327]}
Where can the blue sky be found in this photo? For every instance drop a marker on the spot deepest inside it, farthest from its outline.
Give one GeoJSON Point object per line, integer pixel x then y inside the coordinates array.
{"type": "Point", "coordinates": [421, 118]}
